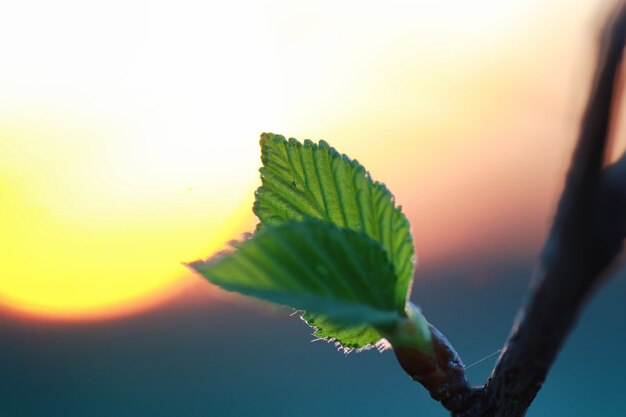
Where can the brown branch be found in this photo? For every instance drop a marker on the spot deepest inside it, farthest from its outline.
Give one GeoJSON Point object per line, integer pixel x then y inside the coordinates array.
{"type": "Point", "coordinates": [584, 240]}
{"type": "Point", "coordinates": [588, 233]}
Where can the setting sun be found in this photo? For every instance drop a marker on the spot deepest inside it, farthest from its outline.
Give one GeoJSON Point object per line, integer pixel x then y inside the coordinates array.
{"type": "Point", "coordinates": [112, 172]}
{"type": "Point", "coordinates": [88, 226]}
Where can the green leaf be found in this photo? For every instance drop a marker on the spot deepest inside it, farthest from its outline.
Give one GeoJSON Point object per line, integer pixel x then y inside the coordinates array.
{"type": "Point", "coordinates": [314, 181]}
{"type": "Point", "coordinates": [349, 337]}
{"type": "Point", "coordinates": [342, 275]}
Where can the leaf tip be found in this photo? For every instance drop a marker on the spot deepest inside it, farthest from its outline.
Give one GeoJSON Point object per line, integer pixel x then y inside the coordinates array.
{"type": "Point", "coordinates": [194, 265]}
{"type": "Point", "coordinates": [268, 139]}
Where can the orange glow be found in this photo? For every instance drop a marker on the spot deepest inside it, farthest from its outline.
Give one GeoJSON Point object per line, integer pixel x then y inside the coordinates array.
{"type": "Point", "coordinates": [125, 152]}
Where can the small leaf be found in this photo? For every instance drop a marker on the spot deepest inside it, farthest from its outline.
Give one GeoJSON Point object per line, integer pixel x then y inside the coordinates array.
{"type": "Point", "coordinates": [314, 180]}
{"type": "Point", "coordinates": [342, 275]}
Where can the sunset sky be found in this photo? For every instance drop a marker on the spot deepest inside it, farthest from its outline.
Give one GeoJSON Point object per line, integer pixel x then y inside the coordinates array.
{"type": "Point", "coordinates": [129, 145]}
{"type": "Point", "coordinates": [128, 139]}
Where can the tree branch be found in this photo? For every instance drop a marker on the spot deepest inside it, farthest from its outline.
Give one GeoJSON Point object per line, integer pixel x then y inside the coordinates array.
{"type": "Point", "coordinates": [587, 234]}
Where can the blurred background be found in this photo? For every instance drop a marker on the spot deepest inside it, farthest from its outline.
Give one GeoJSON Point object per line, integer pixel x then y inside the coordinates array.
{"type": "Point", "coordinates": [129, 144]}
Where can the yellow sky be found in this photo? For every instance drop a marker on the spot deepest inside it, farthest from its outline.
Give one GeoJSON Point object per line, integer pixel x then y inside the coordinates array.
{"type": "Point", "coordinates": [128, 130]}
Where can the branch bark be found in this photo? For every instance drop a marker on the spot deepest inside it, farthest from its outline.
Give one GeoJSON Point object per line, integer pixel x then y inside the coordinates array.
{"type": "Point", "coordinates": [587, 235]}
{"type": "Point", "coordinates": [584, 240]}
